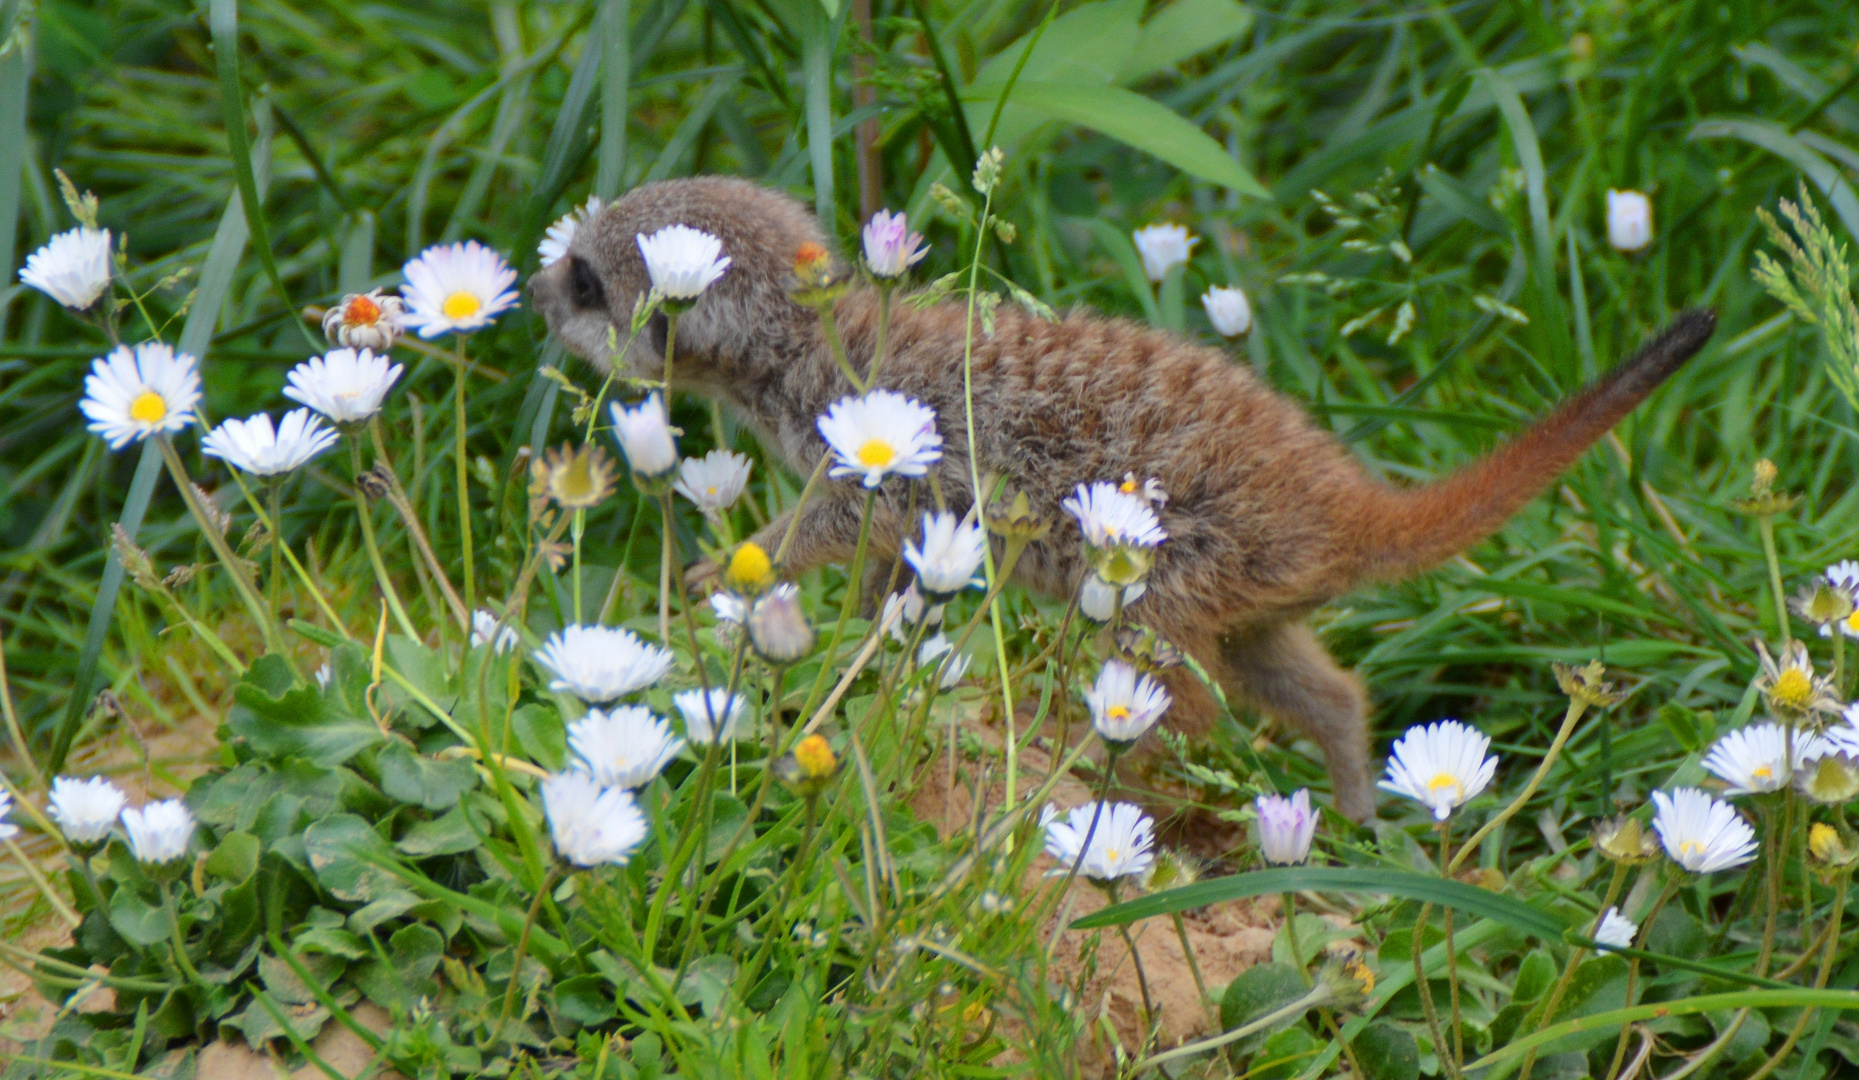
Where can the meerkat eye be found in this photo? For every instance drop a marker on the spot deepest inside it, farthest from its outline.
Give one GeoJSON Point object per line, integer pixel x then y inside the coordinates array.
{"type": "Point", "coordinates": [584, 286]}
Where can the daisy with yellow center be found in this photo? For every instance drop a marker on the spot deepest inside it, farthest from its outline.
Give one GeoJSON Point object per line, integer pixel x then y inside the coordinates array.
{"type": "Point", "coordinates": [1441, 766]}
{"type": "Point", "coordinates": [369, 320]}
{"type": "Point", "coordinates": [1700, 833]}
{"type": "Point", "coordinates": [1124, 704]}
{"type": "Point", "coordinates": [1789, 686]}
{"type": "Point", "coordinates": [880, 434]}
{"type": "Point", "coordinates": [132, 394]}
{"type": "Point", "coordinates": [456, 288]}
{"type": "Point", "coordinates": [1754, 760]}
{"type": "Point", "coordinates": [713, 482]}
{"type": "Point", "coordinates": [1104, 841]}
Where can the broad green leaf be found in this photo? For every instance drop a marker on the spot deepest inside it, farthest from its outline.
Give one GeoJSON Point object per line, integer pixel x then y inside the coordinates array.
{"type": "Point", "coordinates": [1260, 989]}
{"type": "Point", "coordinates": [1181, 30]}
{"type": "Point", "coordinates": [138, 921]}
{"type": "Point", "coordinates": [449, 834]}
{"type": "Point", "coordinates": [236, 857]}
{"type": "Point", "coordinates": [1387, 1052]}
{"type": "Point", "coordinates": [345, 852]}
{"type": "Point", "coordinates": [1091, 44]}
{"type": "Point", "coordinates": [1123, 250]}
{"type": "Point", "coordinates": [413, 955]}
{"type": "Point", "coordinates": [423, 781]}
{"type": "Point", "coordinates": [280, 718]}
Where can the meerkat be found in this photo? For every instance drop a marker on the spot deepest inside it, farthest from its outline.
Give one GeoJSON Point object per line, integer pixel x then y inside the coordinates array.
{"type": "Point", "coordinates": [1268, 515]}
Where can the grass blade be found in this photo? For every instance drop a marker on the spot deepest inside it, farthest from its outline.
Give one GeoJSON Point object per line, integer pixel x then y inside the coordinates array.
{"type": "Point", "coordinates": [616, 67]}
{"type": "Point", "coordinates": [15, 77]}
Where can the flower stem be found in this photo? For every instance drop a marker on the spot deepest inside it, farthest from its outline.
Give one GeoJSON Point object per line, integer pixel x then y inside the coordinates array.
{"type": "Point", "coordinates": [1832, 939]}
{"type": "Point", "coordinates": [45, 887]}
{"type": "Point", "coordinates": [174, 929]}
{"type": "Point", "coordinates": [522, 948]}
{"type": "Point", "coordinates": [1194, 967]}
{"type": "Point", "coordinates": [1297, 953]}
{"type": "Point", "coordinates": [1319, 996]}
{"type": "Point", "coordinates": [884, 323]}
{"type": "Point", "coordinates": [1575, 710]}
{"type": "Point", "coordinates": [855, 579]}
{"type": "Point", "coordinates": [1765, 524]}
{"type": "Point", "coordinates": [366, 513]}
{"type": "Point", "coordinates": [830, 327]}
{"type": "Point", "coordinates": [668, 518]}
{"type": "Point", "coordinates": [464, 472]}
{"type": "Point", "coordinates": [1568, 971]}
{"type": "Point", "coordinates": [274, 639]}
{"type": "Point", "coordinates": [274, 487]}
{"type": "Point", "coordinates": [1633, 970]}
{"type": "Point", "coordinates": [1452, 959]}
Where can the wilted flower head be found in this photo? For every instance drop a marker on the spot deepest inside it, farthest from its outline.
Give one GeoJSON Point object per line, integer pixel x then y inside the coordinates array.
{"type": "Point", "coordinates": [369, 320]}
{"type": "Point", "coordinates": [344, 385]}
{"type": "Point", "coordinates": [1629, 220]}
{"type": "Point", "coordinates": [1830, 850]}
{"type": "Point", "coordinates": [809, 767]}
{"type": "Point", "coordinates": [555, 241]}
{"type": "Point", "coordinates": [1124, 704]}
{"type": "Point", "coordinates": [84, 809]}
{"type": "Point", "coordinates": [159, 832]}
{"type": "Point", "coordinates": [624, 747]}
{"type": "Point", "coordinates": [254, 446]}
{"type": "Point", "coordinates": [456, 288]}
{"type": "Point", "coordinates": [72, 268]}
{"type": "Point", "coordinates": [1286, 827]}
{"type": "Point", "coordinates": [1228, 310]}
{"type": "Point", "coordinates": [1623, 839]}
{"type": "Point", "coordinates": [576, 477]}
{"type": "Point", "coordinates": [1615, 931]}
{"type": "Point", "coordinates": [1789, 687]}
{"type": "Point", "coordinates": [600, 663]}
{"type": "Point", "coordinates": [950, 555]}
{"type": "Point", "coordinates": [1442, 766]}
{"type": "Point", "coordinates": [1013, 517]}
{"type": "Point", "coordinates": [710, 716]}
{"type": "Point", "coordinates": [591, 825]}
{"type": "Point", "coordinates": [778, 626]}
{"type": "Point", "coordinates": [484, 625]}
{"type": "Point", "coordinates": [1586, 684]}
{"type": "Point", "coordinates": [1700, 833]}
{"type": "Point", "coordinates": [1162, 247]}
{"type": "Point", "coordinates": [681, 261]}
{"type": "Point", "coordinates": [713, 482]}
{"type": "Point", "coordinates": [1122, 844]}
{"type": "Point", "coordinates": [644, 433]}
{"type": "Point", "coordinates": [1754, 760]}
{"type": "Point", "coordinates": [132, 394]}
{"type": "Point", "coordinates": [890, 247]}
{"type": "Point", "coordinates": [880, 434]}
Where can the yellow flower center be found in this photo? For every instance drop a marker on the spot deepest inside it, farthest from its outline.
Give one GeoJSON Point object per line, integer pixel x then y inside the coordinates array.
{"type": "Point", "coordinates": [1852, 621]}
{"type": "Point", "coordinates": [148, 408]}
{"type": "Point", "coordinates": [1691, 847]}
{"type": "Point", "coordinates": [1443, 780]}
{"type": "Point", "coordinates": [363, 312]}
{"type": "Point", "coordinates": [1110, 855]}
{"type": "Point", "coordinates": [749, 567]}
{"type": "Point", "coordinates": [876, 454]}
{"type": "Point", "coordinates": [461, 305]}
{"type": "Point", "coordinates": [1762, 772]}
{"type": "Point", "coordinates": [1128, 487]}
{"type": "Point", "coordinates": [1823, 841]}
{"type": "Point", "coordinates": [815, 756]}
{"type": "Point", "coordinates": [1792, 689]}
{"type": "Point", "coordinates": [1117, 712]}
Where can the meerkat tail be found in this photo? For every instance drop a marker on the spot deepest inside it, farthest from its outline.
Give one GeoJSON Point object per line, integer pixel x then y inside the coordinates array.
{"type": "Point", "coordinates": [1414, 529]}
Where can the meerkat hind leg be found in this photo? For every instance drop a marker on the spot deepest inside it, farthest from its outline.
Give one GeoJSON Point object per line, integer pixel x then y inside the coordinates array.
{"type": "Point", "coordinates": [1287, 672]}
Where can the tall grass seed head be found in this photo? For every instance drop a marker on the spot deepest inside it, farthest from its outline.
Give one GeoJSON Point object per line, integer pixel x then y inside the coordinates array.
{"type": "Point", "coordinates": [85, 809]}
{"type": "Point", "coordinates": [710, 716]}
{"type": "Point", "coordinates": [949, 558]}
{"type": "Point", "coordinates": [601, 663]}
{"type": "Point", "coordinates": [1442, 766]}
{"type": "Point", "coordinates": [1764, 500]}
{"type": "Point", "coordinates": [484, 629]}
{"type": "Point", "coordinates": [988, 168]}
{"type": "Point", "coordinates": [749, 571]}
{"type": "Point", "coordinates": [645, 436]}
{"type": "Point", "coordinates": [682, 262]}
{"type": "Point", "coordinates": [1623, 839]}
{"type": "Point", "coordinates": [1163, 247]}
{"type": "Point", "coordinates": [624, 747]}
{"type": "Point", "coordinates": [456, 288]}
{"type": "Point", "coordinates": [159, 832]}
{"type": "Point", "coordinates": [891, 248]}
{"type": "Point", "coordinates": [1629, 220]}
{"type": "Point", "coordinates": [713, 482]}
{"type": "Point", "coordinates": [1285, 827]}
{"type": "Point", "coordinates": [591, 825]}
{"type": "Point", "coordinates": [1124, 704]}
{"type": "Point", "coordinates": [558, 236]}
{"type": "Point", "coordinates": [1789, 687]}
{"type": "Point", "coordinates": [72, 268]}
{"type": "Point", "coordinates": [1615, 931]}
{"type": "Point", "coordinates": [1702, 834]}
{"type": "Point", "coordinates": [346, 385]}
{"type": "Point", "coordinates": [1228, 310]}
{"type": "Point", "coordinates": [1832, 779]}
{"type": "Point", "coordinates": [576, 477]}
{"type": "Point", "coordinates": [370, 320]}
{"type": "Point", "coordinates": [879, 434]}
{"type": "Point", "coordinates": [1754, 760]}
{"type": "Point", "coordinates": [1122, 845]}
{"type": "Point", "coordinates": [134, 393]}
{"type": "Point", "coordinates": [252, 445]}
{"type": "Point", "coordinates": [778, 627]}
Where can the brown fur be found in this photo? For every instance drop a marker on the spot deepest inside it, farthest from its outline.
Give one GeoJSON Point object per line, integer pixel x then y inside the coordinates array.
{"type": "Point", "coordinates": [1268, 516]}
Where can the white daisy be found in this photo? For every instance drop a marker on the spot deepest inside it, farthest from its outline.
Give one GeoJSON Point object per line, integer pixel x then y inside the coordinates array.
{"type": "Point", "coordinates": [1844, 576]}
{"type": "Point", "coordinates": [1110, 517]}
{"type": "Point", "coordinates": [645, 436]}
{"type": "Point", "coordinates": [345, 385]}
{"type": "Point", "coordinates": [728, 607]}
{"type": "Point", "coordinates": [1120, 846]}
{"type": "Point", "coordinates": [159, 832]}
{"type": "Point", "coordinates": [1162, 246]}
{"type": "Point", "coordinates": [72, 268]}
{"type": "Point", "coordinates": [1285, 827]}
{"type": "Point", "coordinates": [950, 556]}
{"type": "Point", "coordinates": [559, 235]}
{"type": "Point", "coordinates": [1441, 766]}
{"type": "Point", "coordinates": [1629, 220]}
{"type": "Point", "coordinates": [600, 663]}
{"type": "Point", "coordinates": [881, 434]}
{"type": "Point", "coordinates": [713, 482]}
{"type": "Point", "coordinates": [912, 602]}
{"type": "Point", "coordinates": [1843, 738]}
{"type": "Point", "coordinates": [681, 261]}
{"type": "Point", "coordinates": [624, 747]}
{"type": "Point", "coordinates": [1151, 490]}
{"type": "Point", "coordinates": [484, 624]}
{"type": "Point", "coordinates": [890, 247]}
{"type": "Point", "coordinates": [1700, 833]}
{"type": "Point", "coordinates": [7, 829]}
{"type": "Point", "coordinates": [1124, 704]}
{"type": "Point", "coordinates": [710, 717]}
{"type": "Point", "coordinates": [1098, 598]}
{"type": "Point", "coordinates": [1615, 931]}
{"type": "Point", "coordinates": [1228, 309]}
{"type": "Point", "coordinates": [254, 446]}
{"type": "Point", "coordinates": [130, 395]}
{"type": "Point", "coordinates": [456, 288]}
{"type": "Point", "coordinates": [369, 320]}
{"type": "Point", "coordinates": [778, 626]}
{"type": "Point", "coordinates": [591, 825]}
{"type": "Point", "coordinates": [932, 651]}
{"type": "Point", "coordinates": [1754, 759]}
{"type": "Point", "coordinates": [85, 809]}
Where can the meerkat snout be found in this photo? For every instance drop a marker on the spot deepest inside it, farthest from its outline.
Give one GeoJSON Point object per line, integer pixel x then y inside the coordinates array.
{"type": "Point", "coordinates": [1268, 515]}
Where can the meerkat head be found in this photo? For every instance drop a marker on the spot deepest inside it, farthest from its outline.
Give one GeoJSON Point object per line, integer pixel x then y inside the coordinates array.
{"type": "Point", "coordinates": [587, 296]}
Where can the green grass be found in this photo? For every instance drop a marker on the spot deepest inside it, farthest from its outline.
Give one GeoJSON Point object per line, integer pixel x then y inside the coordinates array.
{"type": "Point", "coordinates": [1484, 136]}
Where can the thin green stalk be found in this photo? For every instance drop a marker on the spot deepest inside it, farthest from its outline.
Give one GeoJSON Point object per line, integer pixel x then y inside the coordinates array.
{"type": "Point", "coordinates": [793, 525]}
{"type": "Point", "coordinates": [174, 929]}
{"type": "Point", "coordinates": [1633, 970]}
{"type": "Point", "coordinates": [1297, 953]}
{"type": "Point", "coordinates": [1765, 524]}
{"type": "Point", "coordinates": [1568, 971]}
{"type": "Point", "coordinates": [303, 576]}
{"type": "Point", "coordinates": [786, 888]}
{"type": "Point", "coordinates": [854, 586]}
{"type": "Point", "coordinates": [1194, 967]}
{"type": "Point", "coordinates": [275, 487]}
{"type": "Point", "coordinates": [668, 516]}
{"type": "Point", "coordinates": [1832, 938]}
{"type": "Point", "coordinates": [522, 948]}
{"type": "Point", "coordinates": [45, 887]}
{"type": "Point", "coordinates": [830, 327]}
{"type": "Point", "coordinates": [1318, 996]}
{"type": "Point", "coordinates": [1452, 967]}
{"type": "Point", "coordinates": [1136, 961]}
{"type": "Point", "coordinates": [579, 527]}
{"type": "Point", "coordinates": [1577, 706]}
{"type": "Point", "coordinates": [409, 516]}
{"type": "Point", "coordinates": [884, 323]}
{"type": "Point", "coordinates": [366, 513]}
{"type": "Point", "coordinates": [687, 845]}
{"type": "Point", "coordinates": [274, 639]}
{"type": "Point", "coordinates": [463, 470]}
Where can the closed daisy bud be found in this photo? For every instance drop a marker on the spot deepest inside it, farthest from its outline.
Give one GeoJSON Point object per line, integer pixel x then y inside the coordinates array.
{"type": "Point", "coordinates": [73, 267]}
{"type": "Point", "coordinates": [1629, 220]}
{"type": "Point", "coordinates": [1831, 779]}
{"type": "Point", "coordinates": [1441, 766]}
{"type": "Point", "coordinates": [1830, 850]}
{"type": "Point", "coordinates": [1162, 247]}
{"type": "Point", "coordinates": [713, 482]}
{"type": "Point", "coordinates": [1121, 845]}
{"type": "Point", "coordinates": [931, 654]}
{"type": "Point", "coordinates": [577, 478]}
{"type": "Point", "coordinates": [1285, 827]}
{"type": "Point", "coordinates": [949, 557]}
{"type": "Point", "coordinates": [369, 320]}
{"type": "Point", "coordinates": [1824, 605]}
{"type": "Point", "coordinates": [559, 235]}
{"type": "Point", "coordinates": [601, 663]}
{"type": "Point", "coordinates": [712, 716]}
{"type": "Point", "coordinates": [682, 262]}
{"type": "Point", "coordinates": [345, 385]}
{"type": "Point", "coordinates": [1014, 519]}
{"type": "Point", "coordinates": [159, 832]}
{"type": "Point", "coordinates": [890, 247]}
{"type": "Point", "coordinates": [1700, 833]}
{"type": "Point", "coordinates": [749, 570]}
{"type": "Point", "coordinates": [880, 434]}
{"type": "Point", "coordinates": [1615, 931]}
{"type": "Point", "coordinates": [778, 626]}
{"type": "Point", "coordinates": [591, 825]}
{"type": "Point", "coordinates": [484, 628]}
{"type": "Point", "coordinates": [85, 809]}
{"type": "Point", "coordinates": [644, 433]}
{"type": "Point", "coordinates": [254, 446]}
{"type": "Point", "coordinates": [132, 394]}
{"type": "Point", "coordinates": [1124, 704]}
{"type": "Point", "coordinates": [625, 747]}
{"type": "Point", "coordinates": [456, 288]}
{"type": "Point", "coordinates": [1228, 310]}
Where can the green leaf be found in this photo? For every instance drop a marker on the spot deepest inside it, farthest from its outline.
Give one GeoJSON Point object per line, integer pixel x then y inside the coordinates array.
{"type": "Point", "coordinates": [449, 834]}
{"type": "Point", "coordinates": [139, 922]}
{"type": "Point", "coordinates": [1089, 45]}
{"type": "Point", "coordinates": [1693, 731]}
{"type": "Point", "coordinates": [1134, 120]}
{"type": "Point", "coordinates": [1387, 1052]}
{"type": "Point", "coordinates": [236, 857]}
{"type": "Point", "coordinates": [1260, 989]}
{"type": "Point", "coordinates": [1779, 141]}
{"type": "Point", "coordinates": [540, 733]}
{"type": "Point", "coordinates": [1283, 1055]}
{"type": "Point", "coordinates": [423, 781]}
{"type": "Point", "coordinates": [290, 989]}
{"type": "Point", "coordinates": [397, 983]}
{"type": "Point", "coordinates": [1454, 196]}
{"type": "Point", "coordinates": [1183, 29]}
{"type": "Point", "coordinates": [345, 853]}
{"type": "Point", "coordinates": [1123, 249]}
{"type": "Point", "coordinates": [585, 999]}
{"type": "Point", "coordinates": [278, 717]}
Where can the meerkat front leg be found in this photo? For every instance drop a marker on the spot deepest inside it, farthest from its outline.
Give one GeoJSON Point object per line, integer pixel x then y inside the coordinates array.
{"type": "Point", "coordinates": [1288, 673]}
